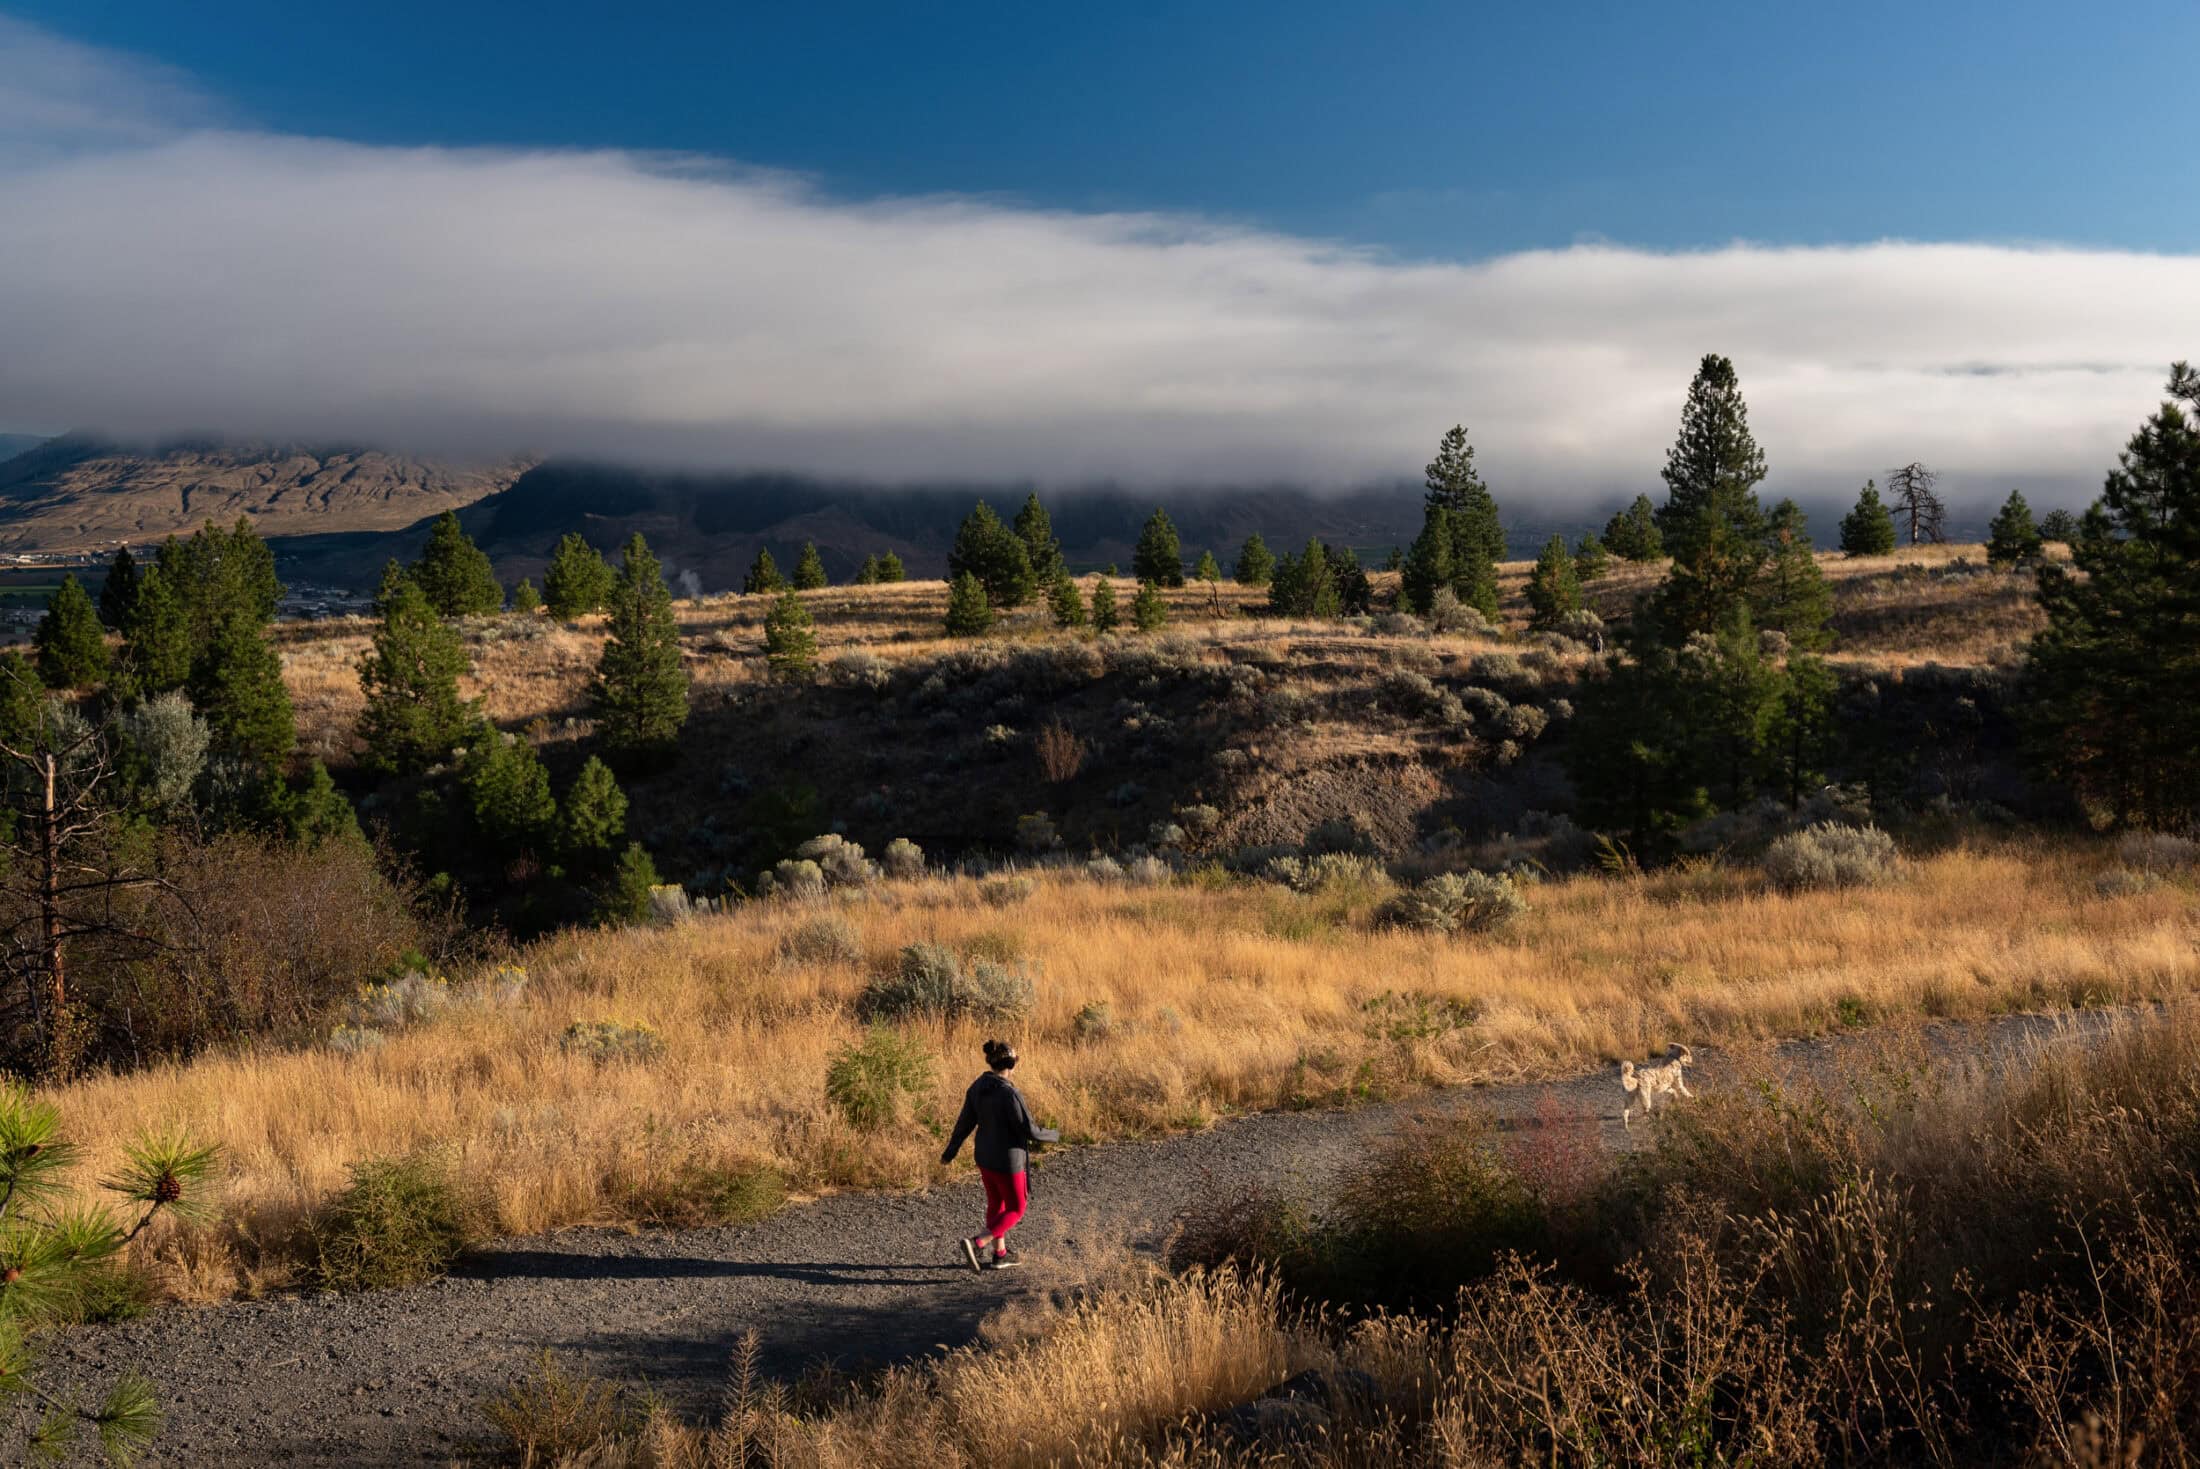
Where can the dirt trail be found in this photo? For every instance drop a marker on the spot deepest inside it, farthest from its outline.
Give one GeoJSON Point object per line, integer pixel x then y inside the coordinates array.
{"type": "Point", "coordinates": [396, 1378]}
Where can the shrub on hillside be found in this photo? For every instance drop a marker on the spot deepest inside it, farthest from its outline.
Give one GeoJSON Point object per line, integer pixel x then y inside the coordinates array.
{"type": "Point", "coordinates": [869, 1081]}
{"type": "Point", "coordinates": [1830, 855]}
{"type": "Point", "coordinates": [933, 981]}
{"type": "Point", "coordinates": [796, 879]}
{"type": "Point", "coordinates": [400, 1221]}
{"type": "Point", "coordinates": [2157, 851]}
{"type": "Point", "coordinates": [1148, 871]}
{"type": "Point", "coordinates": [1035, 832]}
{"type": "Point", "coordinates": [1447, 614]}
{"type": "Point", "coordinates": [858, 669]}
{"type": "Point", "coordinates": [1459, 902]}
{"type": "Point", "coordinates": [1312, 874]}
{"type": "Point", "coordinates": [1005, 892]}
{"type": "Point", "coordinates": [605, 1041]}
{"type": "Point", "coordinates": [902, 859]}
{"type": "Point", "coordinates": [826, 939]}
{"type": "Point", "coordinates": [840, 861]}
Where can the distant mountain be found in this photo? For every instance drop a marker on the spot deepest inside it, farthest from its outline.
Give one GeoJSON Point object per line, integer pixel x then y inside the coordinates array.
{"type": "Point", "coordinates": [14, 444]}
{"type": "Point", "coordinates": [80, 492]}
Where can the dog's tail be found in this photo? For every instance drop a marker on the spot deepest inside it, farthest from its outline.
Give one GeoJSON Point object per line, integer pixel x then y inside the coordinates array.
{"type": "Point", "coordinates": [1627, 1076]}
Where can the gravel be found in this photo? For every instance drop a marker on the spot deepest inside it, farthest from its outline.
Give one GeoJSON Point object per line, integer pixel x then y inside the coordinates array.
{"type": "Point", "coordinates": [398, 1377]}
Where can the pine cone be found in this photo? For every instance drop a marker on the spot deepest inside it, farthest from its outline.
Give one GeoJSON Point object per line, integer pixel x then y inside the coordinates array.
{"type": "Point", "coordinates": [168, 1190]}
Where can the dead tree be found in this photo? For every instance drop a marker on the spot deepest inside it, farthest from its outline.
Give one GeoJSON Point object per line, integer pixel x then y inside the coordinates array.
{"type": "Point", "coordinates": [1915, 504]}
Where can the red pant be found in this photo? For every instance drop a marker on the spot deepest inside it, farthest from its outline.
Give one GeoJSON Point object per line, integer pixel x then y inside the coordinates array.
{"type": "Point", "coordinates": [1005, 1201]}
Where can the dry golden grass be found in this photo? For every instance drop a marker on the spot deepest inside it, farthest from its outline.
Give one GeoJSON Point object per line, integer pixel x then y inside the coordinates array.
{"type": "Point", "coordinates": [1242, 996]}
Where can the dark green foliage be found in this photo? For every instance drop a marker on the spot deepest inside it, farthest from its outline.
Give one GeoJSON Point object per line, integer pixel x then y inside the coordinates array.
{"type": "Point", "coordinates": [2059, 525]}
{"type": "Point", "coordinates": [1633, 535]}
{"type": "Point", "coordinates": [1791, 595]}
{"type": "Point", "coordinates": [1065, 604]}
{"type": "Point", "coordinates": [1453, 484]}
{"type": "Point", "coordinates": [763, 577]}
{"type": "Point", "coordinates": [414, 716]}
{"type": "Point", "coordinates": [217, 574]}
{"type": "Point", "coordinates": [1713, 469]}
{"type": "Point", "coordinates": [1799, 741]}
{"type": "Point", "coordinates": [869, 1082]}
{"type": "Point", "coordinates": [1208, 570]}
{"type": "Point", "coordinates": [1428, 561]}
{"type": "Point", "coordinates": [1867, 530]}
{"type": "Point", "coordinates": [2012, 539]}
{"type": "Point", "coordinates": [790, 638]}
{"type": "Point", "coordinates": [1255, 563]}
{"type": "Point", "coordinates": [969, 614]}
{"type": "Point", "coordinates": [2115, 677]}
{"type": "Point", "coordinates": [1554, 590]}
{"type": "Point", "coordinates": [311, 811]}
{"type": "Point", "coordinates": [118, 593]}
{"type": "Point", "coordinates": [1149, 612]}
{"type": "Point", "coordinates": [867, 573]}
{"type": "Point", "coordinates": [1035, 528]}
{"type": "Point", "coordinates": [809, 569]}
{"type": "Point", "coordinates": [71, 646]}
{"type": "Point", "coordinates": [236, 684]}
{"type": "Point", "coordinates": [1591, 560]}
{"type": "Point", "coordinates": [401, 1221]}
{"type": "Point", "coordinates": [1158, 557]}
{"type": "Point", "coordinates": [455, 573]}
{"type": "Point", "coordinates": [1304, 585]}
{"type": "Point", "coordinates": [509, 793]}
{"type": "Point", "coordinates": [890, 568]}
{"type": "Point", "coordinates": [156, 641]}
{"type": "Point", "coordinates": [641, 691]}
{"type": "Point", "coordinates": [1355, 594]}
{"type": "Point", "coordinates": [995, 555]}
{"type": "Point", "coordinates": [593, 816]}
{"type": "Point", "coordinates": [526, 601]}
{"type": "Point", "coordinates": [577, 580]}
{"type": "Point", "coordinates": [22, 699]}
{"type": "Point", "coordinates": [626, 896]}
{"type": "Point", "coordinates": [1104, 616]}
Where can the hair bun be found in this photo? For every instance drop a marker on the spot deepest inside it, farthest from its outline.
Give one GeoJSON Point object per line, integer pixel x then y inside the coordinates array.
{"type": "Point", "coordinates": [992, 1049]}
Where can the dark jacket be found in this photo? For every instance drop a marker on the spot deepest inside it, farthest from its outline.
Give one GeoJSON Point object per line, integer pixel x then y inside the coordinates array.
{"type": "Point", "coordinates": [996, 1110]}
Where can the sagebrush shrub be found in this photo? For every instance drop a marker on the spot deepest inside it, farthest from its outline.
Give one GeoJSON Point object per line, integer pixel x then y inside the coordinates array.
{"type": "Point", "coordinates": [1459, 902]}
{"type": "Point", "coordinates": [797, 877]}
{"type": "Point", "coordinates": [868, 1081]}
{"type": "Point", "coordinates": [610, 1040]}
{"type": "Point", "coordinates": [902, 859]}
{"type": "Point", "coordinates": [933, 981]}
{"type": "Point", "coordinates": [1830, 855]}
{"type": "Point", "coordinates": [1035, 832]}
{"type": "Point", "coordinates": [2157, 851]}
{"type": "Point", "coordinates": [839, 861]}
{"type": "Point", "coordinates": [400, 1221]}
{"type": "Point", "coordinates": [827, 939]}
{"type": "Point", "coordinates": [1447, 614]}
{"type": "Point", "coordinates": [1005, 892]}
{"type": "Point", "coordinates": [1094, 1022]}
{"type": "Point", "coordinates": [1149, 871]}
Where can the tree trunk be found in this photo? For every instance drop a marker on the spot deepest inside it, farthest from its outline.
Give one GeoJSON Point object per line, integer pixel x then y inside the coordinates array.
{"type": "Point", "coordinates": [49, 912]}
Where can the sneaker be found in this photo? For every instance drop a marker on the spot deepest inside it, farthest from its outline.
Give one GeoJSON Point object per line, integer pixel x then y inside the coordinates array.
{"type": "Point", "coordinates": [1002, 1260]}
{"type": "Point", "coordinates": [970, 1253]}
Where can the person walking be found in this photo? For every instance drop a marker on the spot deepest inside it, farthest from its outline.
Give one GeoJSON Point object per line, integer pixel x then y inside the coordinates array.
{"type": "Point", "coordinates": [995, 1110]}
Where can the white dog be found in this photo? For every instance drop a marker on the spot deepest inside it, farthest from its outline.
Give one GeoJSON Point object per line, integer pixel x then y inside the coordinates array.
{"type": "Point", "coordinates": [1650, 1082]}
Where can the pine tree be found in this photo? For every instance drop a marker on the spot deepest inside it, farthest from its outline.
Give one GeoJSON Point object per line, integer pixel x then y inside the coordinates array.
{"type": "Point", "coordinates": [1149, 613]}
{"type": "Point", "coordinates": [455, 573]}
{"type": "Point", "coordinates": [1554, 590]}
{"type": "Point", "coordinates": [526, 601]}
{"type": "Point", "coordinates": [995, 555]}
{"type": "Point", "coordinates": [1158, 557]}
{"type": "Point", "coordinates": [1714, 467]}
{"type": "Point", "coordinates": [236, 683]}
{"type": "Point", "coordinates": [2059, 525]}
{"type": "Point", "coordinates": [1791, 595]}
{"type": "Point", "coordinates": [1035, 528]}
{"type": "Point", "coordinates": [1355, 593]}
{"type": "Point", "coordinates": [1867, 530]}
{"type": "Point", "coordinates": [577, 580]}
{"type": "Point", "coordinates": [156, 641]}
{"type": "Point", "coordinates": [509, 793]}
{"type": "Point", "coordinates": [1255, 563]}
{"type": "Point", "coordinates": [1475, 585]}
{"type": "Point", "coordinates": [1591, 561]}
{"type": "Point", "coordinates": [763, 578]}
{"type": "Point", "coordinates": [1428, 561]}
{"type": "Point", "coordinates": [790, 638]}
{"type": "Point", "coordinates": [70, 646]}
{"type": "Point", "coordinates": [217, 573]}
{"type": "Point", "coordinates": [1305, 585]}
{"type": "Point", "coordinates": [118, 593]}
{"type": "Point", "coordinates": [311, 812]}
{"type": "Point", "coordinates": [1065, 604]}
{"type": "Point", "coordinates": [1104, 616]}
{"type": "Point", "coordinates": [1916, 506]}
{"type": "Point", "coordinates": [22, 699]}
{"type": "Point", "coordinates": [2012, 539]}
{"type": "Point", "coordinates": [969, 614]}
{"type": "Point", "coordinates": [1453, 484]}
{"type": "Point", "coordinates": [592, 817]}
{"type": "Point", "coordinates": [641, 692]}
{"type": "Point", "coordinates": [867, 573]}
{"type": "Point", "coordinates": [890, 568]}
{"type": "Point", "coordinates": [2115, 677]}
{"type": "Point", "coordinates": [626, 897]}
{"type": "Point", "coordinates": [1209, 574]}
{"type": "Point", "coordinates": [414, 716]}
{"type": "Point", "coordinates": [1633, 535]}
{"type": "Point", "coordinates": [1799, 738]}
{"type": "Point", "coordinates": [809, 570]}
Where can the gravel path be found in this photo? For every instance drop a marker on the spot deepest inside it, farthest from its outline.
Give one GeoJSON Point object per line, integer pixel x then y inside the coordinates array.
{"type": "Point", "coordinates": [397, 1377]}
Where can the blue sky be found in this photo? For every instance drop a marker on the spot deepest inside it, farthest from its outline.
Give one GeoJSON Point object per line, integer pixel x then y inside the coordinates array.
{"type": "Point", "coordinates": [1434, 130]}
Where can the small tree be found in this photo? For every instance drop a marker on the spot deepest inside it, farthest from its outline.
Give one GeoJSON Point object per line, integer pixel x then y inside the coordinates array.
{"type": "Point", "coordinates": [1867, 530]}
{"type": "Point", "coordinates": [809, 571]}
{"type": "Point", "coordinates": [1104, 616]}
{"type": "Point", "coordinates": [237, 684]}
{"type": "Point", "coordinates": [1355, 593]}
{"type": "Point", "coordinates": [626, 896]}
{"type": "Point", "coordinates": [1916, 505]}
{"type": "Point", "coordinates": [1158, 557]}
{"type": "Point", "coordinates": [577, 580]}
{"type": "Point", "coordinates": [1428, 562]}
{"type": "Point", "coordinates": [641, 690]}
{"type": "Point", "coordinates": [455, 573]}
{"type": "Point", "coordinates": [526, 601]}
{"type": "Point", "coordinates": [1035, 528]}
{"type": "Point", "coordinates": [1210, 573]}
{"type": "Point", "coordinates": [1065, 604]}
{"type": "Point", "coordinates": [509, 793]}
{"type": "Point", "coordinates": [1255, 563]}
{"type": "Point", "coordinates": [969, 614]}
{"type": "Point", "coordinates": [1791, 595]}
{"type": "Point", "coordinates": [71, 647]}
{"type": "Point", "coordinates": [790, 638]}
{"type": "Point", "coordinates": [118, 593]}
{"type": "Point", "coordinates": [1454, 485]}
{"type": "Point", "coordinates": [2059, 525]}
{"type": "Point", "coordinates": [867, 573]}
{"type": "Point", "coordinates": [1633, 535]}
{"type": "Point", "coordinates": [1713, 469]}
{"type": "Point", "coordinates": [890, 568]}
{"type": "Point", "coordinates": [414, 717]}
{"type": "Point", "coordinates": [592, 818]}
{"type": "Point", "coordinates": [763, 578]}
{"type": "Point", "coordinates": [2012, 539]}
{"type": "Point", "coordinates": [1554, 590]}
{"type": "Point", "coordinates": [1591, 561]}
{"type": "Point", "coordinates": [995, 555]}
{"type": "Point", "coordinates": [156, 641]}
{"type": "Point", "coordinates": [1149, 613]}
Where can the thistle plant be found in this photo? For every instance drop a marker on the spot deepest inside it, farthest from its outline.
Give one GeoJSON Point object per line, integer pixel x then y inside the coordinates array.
{"type": "Point", "coordinates": [59, 1258]}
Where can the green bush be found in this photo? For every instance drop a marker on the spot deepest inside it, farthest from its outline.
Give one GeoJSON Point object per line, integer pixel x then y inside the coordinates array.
{"type": "Point", "coordinates": [1459, 902]}
{"type": "Point", "coordinates": [400, 1221]}
{"type": "Point", "coordinates": [610, 1040]}
{"type": "Point", "coordinates": [933, 981]}
{"type": "Point", "coordinates": [552, 1414]}
{"type": "Point", "coordinates": [869, 1080]}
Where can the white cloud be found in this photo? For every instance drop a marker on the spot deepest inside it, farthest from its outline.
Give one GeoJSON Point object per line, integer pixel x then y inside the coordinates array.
{"type": "Point", "coordinates": [171, 280]}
